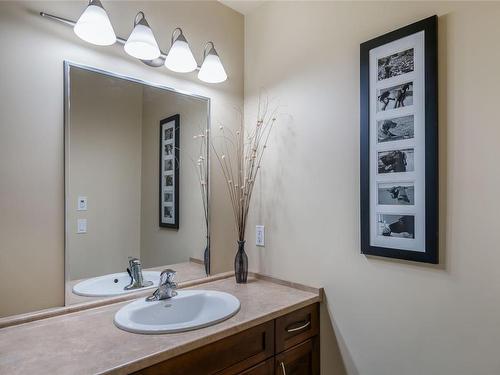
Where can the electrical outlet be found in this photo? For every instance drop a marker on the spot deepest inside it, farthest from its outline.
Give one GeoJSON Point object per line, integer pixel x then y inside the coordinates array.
{"type": "Point", "coordinates": [259, 235]}
{"type": "Point", "coordinates": [82, 204]}
{"type": "Point", "coordinates": [81, 226]}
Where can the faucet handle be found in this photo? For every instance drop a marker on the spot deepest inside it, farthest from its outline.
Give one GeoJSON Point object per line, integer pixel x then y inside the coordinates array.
{"type": "Point", "coordinates": [133, 260]}
{"type": "Point", "coordinates": [165, 288]}
{"type": "Point", "coordinates": [167, 276]}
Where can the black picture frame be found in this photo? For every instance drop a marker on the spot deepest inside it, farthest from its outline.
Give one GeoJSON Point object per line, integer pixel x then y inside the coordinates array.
{"type": "Point", "coordinates": [173, 157]}
{"type": "Point", "coordinates": [430, 253]}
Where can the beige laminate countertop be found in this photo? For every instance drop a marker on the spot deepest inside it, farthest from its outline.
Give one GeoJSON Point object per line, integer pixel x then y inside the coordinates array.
{"type": "Point", "coordinates": [87, 342]}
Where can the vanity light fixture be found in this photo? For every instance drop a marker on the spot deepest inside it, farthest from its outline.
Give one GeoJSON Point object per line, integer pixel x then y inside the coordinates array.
{"type": "Point", "coordinates": [94, 25]}
{"type": "Point", "coordinates": [212, 70]}
{"type": "Point", "coordinates": [180, 59]}
{"type": "Point", "coordinates": [141, 43]}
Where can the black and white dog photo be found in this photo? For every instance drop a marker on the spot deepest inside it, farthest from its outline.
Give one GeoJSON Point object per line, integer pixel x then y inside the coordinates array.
{"type": "Point", "coordinates": [402, 226]}
{"type": "Point", "coordinates": [396, 161]}
{"type": "Point", "coordinates": [402, 194]}
{"type": "Point", "coordinates": [395, 97]}
{"type": "Point", "coordinates": [396, 129]}
{"type": "Point", "coordinates": [396, 64]}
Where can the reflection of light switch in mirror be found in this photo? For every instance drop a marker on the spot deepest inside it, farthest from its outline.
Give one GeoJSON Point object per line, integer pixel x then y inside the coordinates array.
{"type": "Point", "coordinates": [259, 235]}
{"type": "Point", "coordinates": [82, 203]}
{"type": "Point", "coordinates": [81, 226]}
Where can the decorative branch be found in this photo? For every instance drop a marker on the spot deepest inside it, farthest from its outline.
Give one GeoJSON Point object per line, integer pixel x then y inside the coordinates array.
{"type": "Point", "coordinates": [201, 169]}
{"type": "Point", "coordinates": [240, 157]}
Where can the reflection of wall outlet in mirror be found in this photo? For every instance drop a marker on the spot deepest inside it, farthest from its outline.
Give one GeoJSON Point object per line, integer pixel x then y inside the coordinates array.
{"type": "Point", "coordinates": [259, 235]}
{"type": "Point", "coordinates": [82, 203]}
{"type": "Point", "coordinates": [81, 226]}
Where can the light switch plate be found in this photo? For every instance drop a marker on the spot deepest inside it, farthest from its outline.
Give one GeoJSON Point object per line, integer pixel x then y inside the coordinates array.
{"type": "Point", "coordinates": [82, 203]}
{"type": "Point", "coordinates": [81, 226]}
{"type": "Point", "coordinates": [259, 235]}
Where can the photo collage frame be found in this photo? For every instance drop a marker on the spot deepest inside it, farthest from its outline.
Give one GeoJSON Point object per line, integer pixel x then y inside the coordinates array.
{"type": "Point", "coordinates": [169, 172]}
{"type": "Point", "coordinates": [399, 143]}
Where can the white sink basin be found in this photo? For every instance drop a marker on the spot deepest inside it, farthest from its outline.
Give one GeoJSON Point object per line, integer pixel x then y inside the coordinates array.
{"type": "Point", "coordinates": [190, 309]}
{"type": "Point", "coordinates": [113, 284]}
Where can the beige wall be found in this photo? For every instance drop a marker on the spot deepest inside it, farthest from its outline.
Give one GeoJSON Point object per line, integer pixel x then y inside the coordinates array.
{"type": "Point", "coordinates": [161, 246]}
{"type": "Point", "coordinates": [389, 317]}
{"type": "Point", "coordinates": [104, 164]}
{"type": "Point", "coordinates": [31, 126]}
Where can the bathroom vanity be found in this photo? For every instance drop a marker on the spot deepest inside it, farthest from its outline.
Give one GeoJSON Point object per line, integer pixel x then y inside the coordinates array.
{"type": "Point", "coordinates": [275, 331]}
{"type": "Point", "coordinates": [287, 344]}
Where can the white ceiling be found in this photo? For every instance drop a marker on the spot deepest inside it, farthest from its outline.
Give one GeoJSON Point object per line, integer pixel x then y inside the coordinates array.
{"type": "Point", "coordinates": [242, 6]}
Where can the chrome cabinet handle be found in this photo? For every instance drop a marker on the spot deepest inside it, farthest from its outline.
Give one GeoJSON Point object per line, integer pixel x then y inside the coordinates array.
{"type": "Point", "coordinates": [283, 368]}
{"type": "Point", "coordinates": [298, 328]}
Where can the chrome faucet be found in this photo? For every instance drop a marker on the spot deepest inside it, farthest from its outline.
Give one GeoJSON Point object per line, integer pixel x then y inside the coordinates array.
{"type": "Point", "coordinates": [135, 272]}
{"type": "Point", "coordinates": [165, 288]}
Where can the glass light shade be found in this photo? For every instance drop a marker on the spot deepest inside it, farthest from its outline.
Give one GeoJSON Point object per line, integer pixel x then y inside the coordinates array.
{"type": "Point", "coordinates": [94, 26]}
{"type": "Point", "coordinates": [212, 70]}
{"type": "Point", "coordinates": [141, 43]}
{"type": "Point", "coordinates": [180, 59]}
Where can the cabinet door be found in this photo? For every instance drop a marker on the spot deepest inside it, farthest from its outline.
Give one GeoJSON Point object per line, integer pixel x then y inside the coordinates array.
{"type": "Point", "coordinates": [302, 359]}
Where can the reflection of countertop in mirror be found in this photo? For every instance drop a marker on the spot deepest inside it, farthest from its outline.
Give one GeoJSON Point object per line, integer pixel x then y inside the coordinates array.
{"type": "Point", "coordinates": [64, 344]}
{"type": "Point", "coordinates": [186, 271]}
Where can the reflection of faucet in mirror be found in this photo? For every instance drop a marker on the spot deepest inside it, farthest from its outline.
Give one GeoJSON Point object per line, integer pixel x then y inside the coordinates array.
{"type": "Point", "coordinates": [165, 288]}
{"type": "Point", "coordinates": [135, 272]}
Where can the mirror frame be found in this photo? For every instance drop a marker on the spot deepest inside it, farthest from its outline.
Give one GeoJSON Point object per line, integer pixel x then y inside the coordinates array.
{"type": "Point", "coordinates": [67, 127]}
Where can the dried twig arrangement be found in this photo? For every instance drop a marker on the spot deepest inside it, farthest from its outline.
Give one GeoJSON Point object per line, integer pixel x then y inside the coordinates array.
{"type": "Point", "coordinates": [240, 155]}
{"type": "Point", "coordinates": [201, 168]}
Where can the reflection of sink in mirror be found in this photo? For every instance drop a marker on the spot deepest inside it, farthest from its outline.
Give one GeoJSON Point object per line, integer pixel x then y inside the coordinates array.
{"type": "Point", "coordinates": [112, 285]}
{"type": "Point", "coordinates": [190, 309]}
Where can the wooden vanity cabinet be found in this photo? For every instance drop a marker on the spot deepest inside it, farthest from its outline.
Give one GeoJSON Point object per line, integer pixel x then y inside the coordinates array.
{"type": "Point", "coordinates": [287, 345]}
{"type": "Point", "coordinates": [297, 342]}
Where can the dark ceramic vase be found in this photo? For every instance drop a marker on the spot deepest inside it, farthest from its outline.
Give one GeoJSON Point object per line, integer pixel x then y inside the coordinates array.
{"type": "Point", "coordinates": [241, 264]}
{"type": "Point", "coordinates": [206, 260]}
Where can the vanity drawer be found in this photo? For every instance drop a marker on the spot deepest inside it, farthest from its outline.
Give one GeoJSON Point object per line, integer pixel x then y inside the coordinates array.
{"type": "Point", "coordinates": [296, 327]}
{"type": "Point", "coordinates": [227, 356]}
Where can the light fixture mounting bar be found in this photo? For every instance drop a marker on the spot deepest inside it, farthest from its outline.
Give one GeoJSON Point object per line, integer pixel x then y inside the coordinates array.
{"type": "Point", "coordinates": [159, 62]}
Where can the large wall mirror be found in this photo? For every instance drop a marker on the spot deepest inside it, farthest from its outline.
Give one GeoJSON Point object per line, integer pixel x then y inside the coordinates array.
{"type": "Point", "coordinates": [136, 184]}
